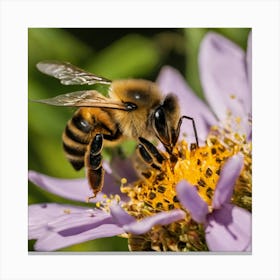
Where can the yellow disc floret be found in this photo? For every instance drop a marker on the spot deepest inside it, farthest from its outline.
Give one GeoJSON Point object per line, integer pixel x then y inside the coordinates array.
{"type": "Point", "coordinates": [200, 166]}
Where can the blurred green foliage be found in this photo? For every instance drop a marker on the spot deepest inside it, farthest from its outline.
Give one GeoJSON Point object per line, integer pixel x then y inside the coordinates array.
{"type": "Point", "coordinates": [112, 53]}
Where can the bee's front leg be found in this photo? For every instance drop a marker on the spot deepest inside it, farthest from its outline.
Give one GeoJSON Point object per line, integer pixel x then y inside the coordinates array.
{"type": "Point", "coordinates": [93, 163]}
{"type": "Point", "coordinates": [150, 154]}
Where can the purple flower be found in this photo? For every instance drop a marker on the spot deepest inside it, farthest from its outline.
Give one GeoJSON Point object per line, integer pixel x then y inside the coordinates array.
{"type": "Point", "coordinates": [56, 226]}
{"type": "Point", "coordinates": [226, 78]}
{"type": "Point", "coordinates": [227, 227]}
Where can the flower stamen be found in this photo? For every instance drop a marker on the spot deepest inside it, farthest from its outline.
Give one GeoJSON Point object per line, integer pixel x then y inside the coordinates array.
{"type": "Point", "coordinates": [199, 166]}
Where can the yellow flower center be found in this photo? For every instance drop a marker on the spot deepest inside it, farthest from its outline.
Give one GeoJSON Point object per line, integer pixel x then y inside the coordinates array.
{"type": "Point", "coordinates": [200, 166]}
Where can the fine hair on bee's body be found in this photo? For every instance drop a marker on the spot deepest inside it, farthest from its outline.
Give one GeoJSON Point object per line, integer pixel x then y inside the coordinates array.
{"type": "Point", "coordinates": [134, 109]}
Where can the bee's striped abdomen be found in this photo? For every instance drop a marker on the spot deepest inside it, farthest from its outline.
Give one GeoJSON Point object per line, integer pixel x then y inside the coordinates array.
{"type": "Point", "coordinates": [81, 129]}
{"type": "Point", "coordinates": [76, 138]}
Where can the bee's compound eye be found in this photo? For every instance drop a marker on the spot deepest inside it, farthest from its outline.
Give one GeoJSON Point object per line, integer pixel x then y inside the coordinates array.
{"type": "Point", "coordinates": [130, 106]}
{"type": "Point", "coordinates": [160, 126]}
{"type": "Point", "coordinates": [160, 119]}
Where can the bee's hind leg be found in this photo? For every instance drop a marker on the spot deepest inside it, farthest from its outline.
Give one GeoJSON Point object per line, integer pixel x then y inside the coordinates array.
{"type": "Point", "coordinates": [93, 162]}
{"type": "Point", "coordinates": [150, 154]}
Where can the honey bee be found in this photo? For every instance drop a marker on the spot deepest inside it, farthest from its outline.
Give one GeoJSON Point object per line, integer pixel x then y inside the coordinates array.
{"type": "Point", "coordinates": [134, 109]}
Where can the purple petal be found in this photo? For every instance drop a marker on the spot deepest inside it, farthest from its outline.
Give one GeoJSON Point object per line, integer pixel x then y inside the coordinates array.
{"type": "Point", "coordinates": [54, 241]}
{"type": "Point", "coordinates": [78, 222]}
{"type": "Point", "coordinates": [162, 218]}
{"type": "Point", "coordinates": [120, 216]}
{"type": "Point", "coordinates": [124, 168]}
{"type": "Point", "coordinates": [229, 174]}
{"type": "Point", "coordinates": [39, 215]}
{"type": "Point", "coordinates": [75, 189]}
{"type": "Point", "coordinates": [229, 229]}
{"type": "Point", "coordinates": [249, 61]}
{"type": "Point", "coordinates": [171, 81]}
{"type": "Point", "coordinates": [190, 199]}
{"type": "Point", "coordinates": [57, 226]}
{"type": "Point", "coordinates": [223, 75]}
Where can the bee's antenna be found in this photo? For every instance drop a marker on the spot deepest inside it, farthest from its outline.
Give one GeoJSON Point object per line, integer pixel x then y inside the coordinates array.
{"type": "Point", "coordinates": [194, 127]}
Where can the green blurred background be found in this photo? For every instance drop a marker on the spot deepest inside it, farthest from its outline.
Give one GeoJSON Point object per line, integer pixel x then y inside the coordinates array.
{"type": "Point", "coordinates": [113, 53]}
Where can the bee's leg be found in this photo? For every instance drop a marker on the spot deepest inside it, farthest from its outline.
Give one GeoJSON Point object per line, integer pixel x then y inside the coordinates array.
{"type": "Point", "coordinates": [179, 127]}
{"type": "Point", "coordinates": [149, 153]}
{"type": "Point", "coordinates": [95, 171]}
{"type": "Point", "coordinates": [152, 149]}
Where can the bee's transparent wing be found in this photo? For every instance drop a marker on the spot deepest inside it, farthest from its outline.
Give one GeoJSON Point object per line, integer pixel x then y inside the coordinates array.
{"type": "Point", "coordinates": [69, 74]}
{"type": "Point", "coordinates": [86, 98]}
